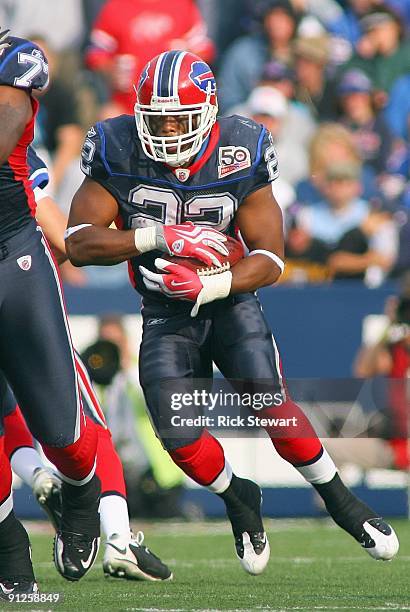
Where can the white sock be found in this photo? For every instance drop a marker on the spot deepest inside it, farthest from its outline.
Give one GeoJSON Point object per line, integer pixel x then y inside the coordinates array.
{"type": "Point", "coordinates": [6, 507]}
{"type": "Point", "coordinates": [319, 472]}
{"type": "Point", "coordinates": [222, 482]}
{"type": "Point", "coordinates": [114, 516]}
{"type": "Point", "coordinates": [24, 461]}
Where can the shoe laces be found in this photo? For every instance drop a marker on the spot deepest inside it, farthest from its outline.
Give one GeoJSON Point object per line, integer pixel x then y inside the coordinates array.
{"type": "Point", "coordinates": [79, 540]}
{"type": "Point", "coordinates": [138, 538]}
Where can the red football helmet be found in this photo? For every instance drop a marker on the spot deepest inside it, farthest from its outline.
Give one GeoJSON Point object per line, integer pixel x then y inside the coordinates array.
{"type": "Point", "coordinates": [179, 84]}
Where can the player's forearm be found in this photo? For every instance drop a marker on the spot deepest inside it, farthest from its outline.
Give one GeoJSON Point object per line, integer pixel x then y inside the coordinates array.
{"type": "Point", "coordinates": [100, 246]}
{"type": "Point", "coordinates": [53, 221]}
{"type": "Point", "coordinates": [254, 272]}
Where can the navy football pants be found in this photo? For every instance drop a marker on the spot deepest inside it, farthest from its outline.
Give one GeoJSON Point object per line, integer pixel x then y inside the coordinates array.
{"type": "Point", "coordinates": [36, 354]}
{"type": "Point", "coordinates": [176, 349]}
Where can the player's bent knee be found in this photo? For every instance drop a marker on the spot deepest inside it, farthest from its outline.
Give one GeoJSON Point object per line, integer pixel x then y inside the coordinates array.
{"type": "Point", "coordinates": [203, 460]}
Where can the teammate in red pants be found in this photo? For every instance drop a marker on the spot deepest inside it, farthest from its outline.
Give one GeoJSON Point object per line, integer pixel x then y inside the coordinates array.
{"type": "Point", "coordinates": [125, 555]}
{"type": "Point", "coordinates": [36, 354]}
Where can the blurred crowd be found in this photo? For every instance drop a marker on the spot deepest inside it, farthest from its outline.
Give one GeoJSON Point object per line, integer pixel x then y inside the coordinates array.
{"type": "Point", "coordinates": [329, 78]}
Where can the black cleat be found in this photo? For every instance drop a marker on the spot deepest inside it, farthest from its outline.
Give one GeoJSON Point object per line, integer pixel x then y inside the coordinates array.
{"type": "Point", "coordinates": [128, 558]}
{"type": "Point", "coordinates": [74, 554]}
{"type": "Point", "coordinates": [18, 585]}
{"type": "Point", "coordinates": [47, 490]}
{"type": "Point", "coordinates": [16, 569]}
{"type": "Point", "coordinates": [243, 500]}
{"type": "Point", "coordinates": [375, 535]}
{"type": "Point", "coordinates": [379, 539]}
{"type": "Point", "coordinates": [76, 543]}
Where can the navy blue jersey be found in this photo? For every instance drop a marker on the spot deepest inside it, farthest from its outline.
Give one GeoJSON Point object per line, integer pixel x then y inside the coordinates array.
{"type": "Point", "coordinates": [24, 66]}
{"type": "Point", "coordinates": [37, 170]}
{"type": "Point", "coordinates": [239, 159]}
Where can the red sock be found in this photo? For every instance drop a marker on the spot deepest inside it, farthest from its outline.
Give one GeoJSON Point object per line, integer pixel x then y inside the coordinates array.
{"type": "Point", "coordinates": [203, 460]}
{"type": "Point", "coordinates": [109, 468]}
{"type": "Point", "coordinates": [296, 442]}
{"type": "Point", "coordinates": [6, 503]}
{"type": "Point", "coordinates": [76, 461]}
{"type": "Point", "coordinates": [16, 433]}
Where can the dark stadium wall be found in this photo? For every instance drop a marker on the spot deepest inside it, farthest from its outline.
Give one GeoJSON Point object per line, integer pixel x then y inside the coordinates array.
{"type": "Point", "coordinates": [317, 328]}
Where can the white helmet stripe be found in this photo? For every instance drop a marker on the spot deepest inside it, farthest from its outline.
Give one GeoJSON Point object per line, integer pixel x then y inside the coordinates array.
{"type": "Point", "coordinates": [171, 74]}
{"type": "Point", "coordinates": [156, 74]}
{"type": "Point", "coordinates": [176, 73]}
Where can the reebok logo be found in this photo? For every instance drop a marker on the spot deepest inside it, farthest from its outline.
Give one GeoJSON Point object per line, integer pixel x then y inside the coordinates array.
{"type": "Point", "coordinates": [152, 322]}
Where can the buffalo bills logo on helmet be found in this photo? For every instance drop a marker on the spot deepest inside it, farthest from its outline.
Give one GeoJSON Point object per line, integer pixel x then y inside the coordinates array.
{"type": "Point", "coordinates": [144, 75]}
{"type": "Point", "coordinates": [202, 76]}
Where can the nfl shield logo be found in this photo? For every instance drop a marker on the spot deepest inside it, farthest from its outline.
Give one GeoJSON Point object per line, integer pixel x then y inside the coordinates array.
{"type": "Point", "coordinates": [182, 174]}
{"type": "Point", "coordinates": [24, 262]}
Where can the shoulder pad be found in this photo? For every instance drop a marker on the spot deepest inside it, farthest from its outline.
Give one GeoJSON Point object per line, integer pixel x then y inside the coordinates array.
{"type": "Point", "coordinates": [120, 135]}
{"type": "Point", "coordinates": [241, 134]}
{"type": "Point", "coordinates": [240, 130]}
{"type": "Point", "coordinates": [108, 147]}
{"type": "Point", "coordinates": [22, 64]}
{"type": "Point", "coordinates": [248, 145]}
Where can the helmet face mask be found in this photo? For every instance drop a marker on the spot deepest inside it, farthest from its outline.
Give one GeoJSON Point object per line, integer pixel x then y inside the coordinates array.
{"type": "Point", "coordinates": [191, 105]}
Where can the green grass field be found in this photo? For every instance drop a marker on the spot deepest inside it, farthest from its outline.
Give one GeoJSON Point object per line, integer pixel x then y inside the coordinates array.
{"type": "Point", "coordinates": [313, 566]}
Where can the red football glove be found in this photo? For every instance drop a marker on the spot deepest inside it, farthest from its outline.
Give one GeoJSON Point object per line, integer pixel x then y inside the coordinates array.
{"type": "Point", "coordinates": [184, 284]}
{"type": "Point", "coordinates": [189, 240]}
{"type": "Point", "coordinates": [179, 283]}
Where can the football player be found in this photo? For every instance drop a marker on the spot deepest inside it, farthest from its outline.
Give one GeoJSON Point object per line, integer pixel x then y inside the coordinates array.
{"type": "Point", "coordinates": [36, 354]}
{"type": "Point", "coordinates": [179, 166]}
{"type": "Point", "coordinates": [124, 555]}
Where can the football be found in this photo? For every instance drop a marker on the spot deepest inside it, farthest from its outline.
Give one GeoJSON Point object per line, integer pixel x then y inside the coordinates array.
{"type": "Point", "coordinates": [236, 252]}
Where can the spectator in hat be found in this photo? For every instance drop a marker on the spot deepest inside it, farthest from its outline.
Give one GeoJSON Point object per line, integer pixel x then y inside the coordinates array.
{"type": "Point", "coordinates": [314, 88]}
{"type": "Point", "coordinates": [359, 237]}
{"type": "Point", "coordinates": [279, 75]}
{"type": "Point", "coordinates": [268, 106]}
{"type": "Point", "coordinates": [299, 125]}
{"type": "Point", "coordinates": [382, 51]}
{"type": "Point", "coordinates": [358, 113]}
{"type": "Point", "coordinates": [340, 209]}
{"type": "Point", "coordinates": [242, 64]}
{"type": "Point", "coordinates": [332, 142]}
